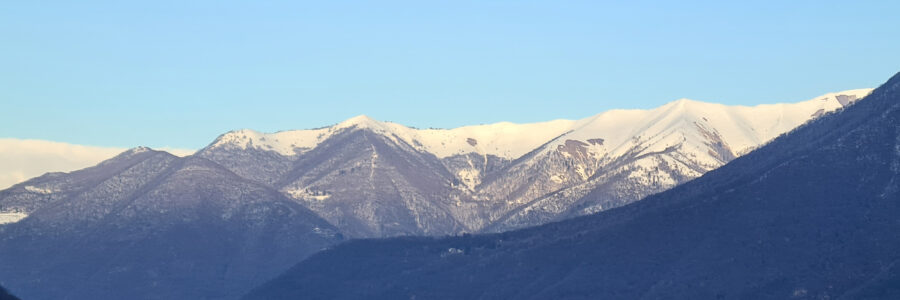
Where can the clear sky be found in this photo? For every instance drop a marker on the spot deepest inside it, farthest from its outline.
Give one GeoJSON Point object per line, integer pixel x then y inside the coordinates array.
{"type": "Point", "coordinates": [179, 73]}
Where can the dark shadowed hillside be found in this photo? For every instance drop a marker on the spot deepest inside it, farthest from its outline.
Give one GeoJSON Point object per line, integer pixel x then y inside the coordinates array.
{"type": "Point", "coordinates": [4, 295]}
{"type": "Point", "coordinates": [813, 215]}
{"type": "Point", "coordinates": [149, 225]}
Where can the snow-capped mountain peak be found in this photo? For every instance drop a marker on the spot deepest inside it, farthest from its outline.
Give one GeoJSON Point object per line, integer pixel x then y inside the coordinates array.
{"type": "Point", "coordinates": [287, 143]}
{"type": "Point", "coordinates": [361, 121]}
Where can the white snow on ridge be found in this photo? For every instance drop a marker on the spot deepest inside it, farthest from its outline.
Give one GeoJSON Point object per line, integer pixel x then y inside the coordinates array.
{"type": "Point", "coordinates": [503, 139]}
{"type": "Point", "coordinates": [740, 127]}
{"type": "Point", "coordinates": [283, 142]}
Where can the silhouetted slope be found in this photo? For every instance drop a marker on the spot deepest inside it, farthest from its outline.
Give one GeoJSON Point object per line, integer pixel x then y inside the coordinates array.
{"type": "Point", "coordinates": [4, 295]}
{"type": "Point", "coordinates": [812, 215]}
{"type": "Point", "coordinates": [885, 285]}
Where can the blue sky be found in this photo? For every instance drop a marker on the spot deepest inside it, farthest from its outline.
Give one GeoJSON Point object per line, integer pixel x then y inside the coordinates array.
{"type": "Point", "coordinates": [179, 73]}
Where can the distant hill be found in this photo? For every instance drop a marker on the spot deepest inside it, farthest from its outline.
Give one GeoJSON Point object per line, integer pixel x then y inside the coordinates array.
{"type": "Point", "coordinates": [147, 224]}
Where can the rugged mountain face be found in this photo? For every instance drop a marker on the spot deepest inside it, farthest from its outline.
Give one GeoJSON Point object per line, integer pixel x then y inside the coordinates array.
{"type": "Point", "coordinates": [811, 215]}
{"type": "Point", "coordinates": [368, 184]}
{"type": "Point", "coordinates": [149, 225]}
{"type": "Point", "coordinates": [376, 179]}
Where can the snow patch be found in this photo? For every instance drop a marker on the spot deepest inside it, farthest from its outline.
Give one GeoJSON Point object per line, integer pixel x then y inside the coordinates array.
{"type": "Point", "coordinates": [470, 177]}
{"type": "Point", "coordinates": [11, 217]}
{"type": "Point", "coordinates": [308, 194]}
{"type": "Point", "coordinates": [452, 251]}
{"type": "Point", "coordinates": [38, 190]}
{"type": "Point", "coordinates": [139, 149]}
{"type": "Point", "coordinates": [558, 178]}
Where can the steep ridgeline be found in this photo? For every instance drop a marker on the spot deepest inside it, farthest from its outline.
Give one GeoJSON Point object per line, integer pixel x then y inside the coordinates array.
{"type": "Point", "coordinates": [376, 179]}
{"type": "Point", "coordinates": [149, 225]}
{"type": "Point", "coordinates": [811, 215]}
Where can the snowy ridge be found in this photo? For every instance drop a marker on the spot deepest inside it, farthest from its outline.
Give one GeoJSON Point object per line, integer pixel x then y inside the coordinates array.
{"type": "Point", "coordinates": [504, 139]}
{"type": "Point", "coordinates": [284, 142]}
{"type": "Point", "coordinates": [741, 127]}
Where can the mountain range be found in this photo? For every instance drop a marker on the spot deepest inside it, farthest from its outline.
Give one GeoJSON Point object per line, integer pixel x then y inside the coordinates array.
{"type": "Point", "coordinates": [810, 215]}
{"type": "Point", "coordinates": [378, 179]}
{"type": "Point", "coordinates": [148, 224]}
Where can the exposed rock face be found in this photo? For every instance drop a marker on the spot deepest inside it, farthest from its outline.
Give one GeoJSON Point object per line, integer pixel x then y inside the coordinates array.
{"type": "Point", "coordinates": [369, 185]}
